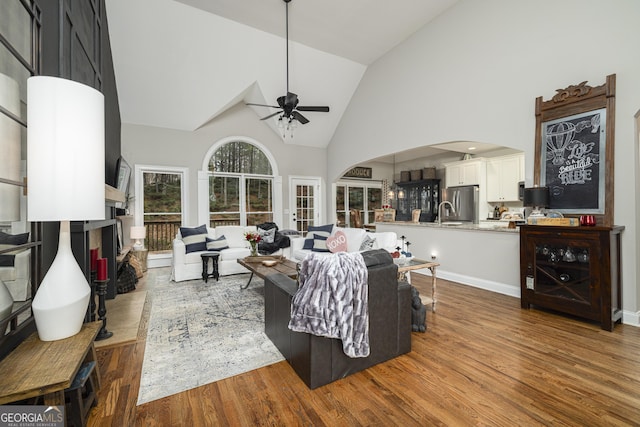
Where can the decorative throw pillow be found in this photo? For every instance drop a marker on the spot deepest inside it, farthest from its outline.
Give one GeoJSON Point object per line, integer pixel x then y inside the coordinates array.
{"type": "Point", "coordinates": [14, 239]}
{"type": "Point", "coordinates": [195, 239]}
{"type": "Point", "coordinates": [337, 242]}
{"type": "Point", "coordinates": [217, 244]}
{"type": "Point", "coordinates": [367, 243]}
{"type": "Point", "coordinates": [267, 236]}
{"type": "Point", "coordinates": [322, 230]}
{"type": "Point", "coordinates": [319, 243]}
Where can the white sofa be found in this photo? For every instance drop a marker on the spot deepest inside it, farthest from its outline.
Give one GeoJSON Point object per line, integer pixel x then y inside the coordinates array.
{"type": "Point", "coordinates": [387, 240]}
{"type": "Point", "coordinates": [188, 266]}
{"type": "Point", "coordinates": [17, 278]}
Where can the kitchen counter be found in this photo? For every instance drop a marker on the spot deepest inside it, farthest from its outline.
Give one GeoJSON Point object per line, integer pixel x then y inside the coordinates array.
{"type": "Point", "coordinates": [485, 255]}
{"type": "Point", "coordinates": [499, 226]}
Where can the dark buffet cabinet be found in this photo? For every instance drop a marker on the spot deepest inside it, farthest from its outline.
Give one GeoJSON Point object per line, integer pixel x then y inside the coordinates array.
{"type": "Point", "coordinates": [423, 195]}
{"type": "Point", "coordinates": [574, 270]}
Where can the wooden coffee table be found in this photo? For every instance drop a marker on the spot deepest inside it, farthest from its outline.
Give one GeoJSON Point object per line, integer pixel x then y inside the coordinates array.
{"type": "Point", "coordinates": [286, 267]}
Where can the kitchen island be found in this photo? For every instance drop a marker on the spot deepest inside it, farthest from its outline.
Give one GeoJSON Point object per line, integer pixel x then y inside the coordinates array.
{"type": "Point", "coordinates": [483, 255]}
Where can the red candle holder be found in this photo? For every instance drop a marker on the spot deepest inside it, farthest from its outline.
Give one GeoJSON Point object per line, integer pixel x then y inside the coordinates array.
{"type": "Point", "coordinates": [588, 220]}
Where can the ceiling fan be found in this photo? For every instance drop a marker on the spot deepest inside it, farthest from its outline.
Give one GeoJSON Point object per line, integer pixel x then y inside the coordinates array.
{"type": "Point", "coordinates": [289, 109]}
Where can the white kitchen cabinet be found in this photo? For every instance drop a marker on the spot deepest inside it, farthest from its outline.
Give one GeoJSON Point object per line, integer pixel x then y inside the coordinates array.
{"type": "Point", "coordinates": [465, 172]}
{"type": "Point", "coordinates": [503, 175]}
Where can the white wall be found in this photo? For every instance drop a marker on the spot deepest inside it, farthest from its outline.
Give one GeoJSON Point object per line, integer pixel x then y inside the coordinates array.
{"type": "Point", "coordinates": [474, 73]}
{"type": "Point", "coordinates": [168, 147]}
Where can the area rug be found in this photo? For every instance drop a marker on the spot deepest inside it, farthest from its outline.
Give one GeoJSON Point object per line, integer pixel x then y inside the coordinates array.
{"type": "Point", "coordinates": [203, 332]}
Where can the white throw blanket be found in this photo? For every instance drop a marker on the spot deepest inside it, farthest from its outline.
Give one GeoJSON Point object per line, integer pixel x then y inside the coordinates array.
{"type": "Point", "coordinates": [332, 300]}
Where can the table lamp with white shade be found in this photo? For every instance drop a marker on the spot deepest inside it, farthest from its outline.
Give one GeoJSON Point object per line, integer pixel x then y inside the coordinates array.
{"type": "Point", "coordinates": [65, 168]}
{"type": "Point", "coordinates": [138, 233]}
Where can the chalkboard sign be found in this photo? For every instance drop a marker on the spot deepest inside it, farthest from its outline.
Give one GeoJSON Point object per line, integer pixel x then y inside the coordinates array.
{"type": "Point", "coordinates": [573, 162]}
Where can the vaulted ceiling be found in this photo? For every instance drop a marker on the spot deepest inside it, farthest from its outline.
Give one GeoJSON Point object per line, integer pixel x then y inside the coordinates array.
{"type": "Point", "coordinates": [181, 63]}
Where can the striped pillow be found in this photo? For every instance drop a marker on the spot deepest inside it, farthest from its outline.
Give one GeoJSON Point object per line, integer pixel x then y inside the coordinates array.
{"type": "Point", "coordinates": [319, 243]}
{"type": "Point", "coordinates": [217, 244]}
{"type": "Point", "coordinates": [321, 230]}
{"type": "Point", "coordinates": [195, 239]}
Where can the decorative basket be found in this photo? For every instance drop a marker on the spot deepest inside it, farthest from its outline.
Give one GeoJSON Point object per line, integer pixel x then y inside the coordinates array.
{"type": "Point", "coordinates": [405, 176]}
{"type": "Point", "coordinates": [429, 173]}
{"type": "Point", "coordinates": [416, 175]}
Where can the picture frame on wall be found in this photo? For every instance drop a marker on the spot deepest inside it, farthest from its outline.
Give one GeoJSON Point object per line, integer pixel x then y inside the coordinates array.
{"type": "Point", "coordinates": [574, 150]}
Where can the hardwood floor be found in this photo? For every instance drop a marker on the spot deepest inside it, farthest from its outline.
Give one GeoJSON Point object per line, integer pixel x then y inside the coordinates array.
{"type": "Point", "coordinates": [483, 361]}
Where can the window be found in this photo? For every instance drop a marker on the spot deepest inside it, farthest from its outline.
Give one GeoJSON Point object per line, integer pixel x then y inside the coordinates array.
{"type": "Point", "coordinates": [240, 185]}
{"type": "Point", "coordinates": [19, 59]}
{"type": "Point", "coordinates": [364, 197]}
{"type": "Point", "coordinates": [162, 199]}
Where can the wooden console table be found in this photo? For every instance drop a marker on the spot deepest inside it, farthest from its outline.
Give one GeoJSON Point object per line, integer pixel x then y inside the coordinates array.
{"type": "Point", "coordinates": [47, 368]}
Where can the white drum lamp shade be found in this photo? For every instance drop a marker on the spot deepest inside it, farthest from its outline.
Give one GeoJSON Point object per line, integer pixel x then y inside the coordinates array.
{"type": "Point", "coordinates": [138, 233]}
{"type": "Point", "coordinates": [10, 149]}
{"type": "Point", "coordinates": [65, 169]}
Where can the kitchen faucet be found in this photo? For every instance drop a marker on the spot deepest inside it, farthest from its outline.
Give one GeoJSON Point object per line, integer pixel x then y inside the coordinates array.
{"type": "Point", "coordinates": [453, 210]}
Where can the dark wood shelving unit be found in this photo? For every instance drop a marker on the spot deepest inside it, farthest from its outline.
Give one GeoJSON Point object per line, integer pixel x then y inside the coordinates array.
{"type": "Point", "coordinates": [573, 270]}
{"type": "Point", "coordinates": [424, 195]}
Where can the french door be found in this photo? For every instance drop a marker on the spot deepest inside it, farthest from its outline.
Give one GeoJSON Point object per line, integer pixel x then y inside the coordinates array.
{"type": "Point", "coordinates": [304, 203]}
{"type": "Point", "coordinates": [160, 205]}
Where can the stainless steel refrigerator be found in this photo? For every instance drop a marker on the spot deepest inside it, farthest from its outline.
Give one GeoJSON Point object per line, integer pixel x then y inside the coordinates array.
{"type": "Point", "coordinates": [465, 202]}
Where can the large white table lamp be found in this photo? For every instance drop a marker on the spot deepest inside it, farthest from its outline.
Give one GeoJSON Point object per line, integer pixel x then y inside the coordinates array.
{"type": "Point", "coordinates": [65, 170]}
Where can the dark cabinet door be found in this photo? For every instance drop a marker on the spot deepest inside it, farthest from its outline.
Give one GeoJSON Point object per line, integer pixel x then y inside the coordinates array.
{"type": "Point", "coordinates": [423, 195]}
{"type": "Point", "coordinates": [572, 270]}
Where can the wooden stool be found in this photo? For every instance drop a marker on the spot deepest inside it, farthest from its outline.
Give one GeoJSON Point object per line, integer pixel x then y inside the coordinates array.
{"type": "Point", "coordinates": [213, 256]}
{"type": "Point", "coordinates": [81, 396]}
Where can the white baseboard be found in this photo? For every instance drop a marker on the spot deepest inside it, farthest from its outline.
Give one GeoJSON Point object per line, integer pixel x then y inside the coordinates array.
{"type": "Point", "coordinates": [489, 285]}
{"type": "Point", "coordinates": [631, 318]}
{"type": "Point", "coordinates": [161, 260]}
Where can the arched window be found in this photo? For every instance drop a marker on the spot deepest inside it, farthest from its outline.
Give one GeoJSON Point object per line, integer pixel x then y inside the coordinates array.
{"type": "Point", "coordinates": [241, 176]}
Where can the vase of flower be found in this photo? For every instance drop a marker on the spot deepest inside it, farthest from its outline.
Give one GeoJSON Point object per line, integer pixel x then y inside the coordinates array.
{"type": "Point", "coordinates": [253, 239]}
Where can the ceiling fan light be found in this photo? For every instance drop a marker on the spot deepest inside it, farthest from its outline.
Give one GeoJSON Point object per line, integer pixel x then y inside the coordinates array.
{"type": "Point", "coordinates": [280, 123]}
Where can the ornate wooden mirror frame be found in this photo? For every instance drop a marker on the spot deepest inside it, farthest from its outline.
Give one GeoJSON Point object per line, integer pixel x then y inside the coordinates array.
{"type": "Point", "coordinates": [574, 131]}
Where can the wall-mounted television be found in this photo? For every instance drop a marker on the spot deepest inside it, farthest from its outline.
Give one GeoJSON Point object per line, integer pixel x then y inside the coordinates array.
{"type": "Point", "coordinates": [123, 177]}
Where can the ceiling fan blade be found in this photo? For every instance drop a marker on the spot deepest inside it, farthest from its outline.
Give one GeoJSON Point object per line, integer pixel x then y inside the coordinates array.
{"type": "Point", "coordinates": [299, 117]}
{"type": "Point", "coordinates": [271, 115]}
{"type": "Point", "coordinates": [261, 105]}
{"type": "Point", "coordinates": [315, 108]}
{"type": "Point", "coordinates": [291, 99]}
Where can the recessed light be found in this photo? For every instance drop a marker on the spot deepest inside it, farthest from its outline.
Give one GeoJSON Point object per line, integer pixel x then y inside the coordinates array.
{"type": "Point", "coordinates": [472, 148]}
